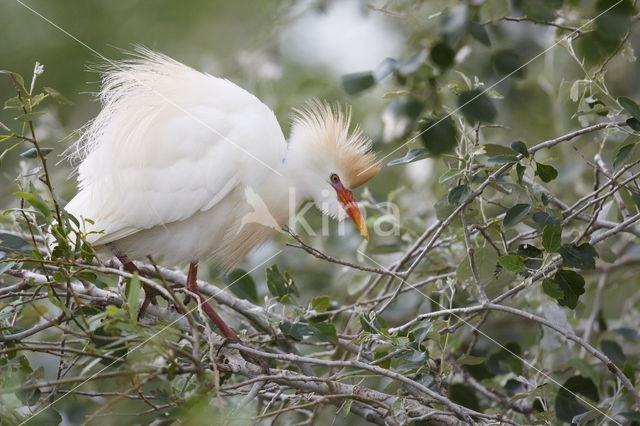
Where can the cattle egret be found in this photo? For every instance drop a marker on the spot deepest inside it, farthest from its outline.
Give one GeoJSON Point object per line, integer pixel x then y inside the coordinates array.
{"type": "Point", "coordinates": [180, 166]}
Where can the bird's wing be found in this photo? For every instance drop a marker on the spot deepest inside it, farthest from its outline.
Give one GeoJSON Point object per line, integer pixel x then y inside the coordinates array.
{"type": "Point", "coordinates": [169, 142]}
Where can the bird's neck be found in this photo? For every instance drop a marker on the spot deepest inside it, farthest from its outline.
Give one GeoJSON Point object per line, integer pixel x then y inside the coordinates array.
{"type": "Point", "coordinates": [298, 172]}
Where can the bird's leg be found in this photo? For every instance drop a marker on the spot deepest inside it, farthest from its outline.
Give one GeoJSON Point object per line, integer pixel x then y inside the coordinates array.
{"type": "Point", "coordinates": [192, 286]}
{"type": "Point", "coordinates": [229, 334]}
{"type": "Point", "coordinates": [150, 293]}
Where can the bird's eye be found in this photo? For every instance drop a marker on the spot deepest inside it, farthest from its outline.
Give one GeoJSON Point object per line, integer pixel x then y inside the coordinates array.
{"type": "Point", "coordinates": [334, 178]}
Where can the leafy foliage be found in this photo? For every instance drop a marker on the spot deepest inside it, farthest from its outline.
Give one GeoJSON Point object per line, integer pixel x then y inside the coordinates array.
{"type": "Point", "coordinates": [508, 292]}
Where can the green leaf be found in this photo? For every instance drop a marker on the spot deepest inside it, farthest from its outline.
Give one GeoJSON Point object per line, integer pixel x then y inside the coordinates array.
{"type": "Point", "coordinates": [439, 135]}
{"type": "Point", "coordinates": [325, 332]}
{"type": "Point", "coordinates": [396, 94]}
{"type": "Point", "coordinates": [132, 291]}
{"type": "Point", "coordinates": [383, 364]}
{"type": "Point", "coordinates": [493, 10]}
{"type": "Point", "coordinates": [502, 159]}
{"type": "Point", "coordinates": [581, 257]}
{"type": "Point", "coordinates": [520, 147]}
{"type": "Point", "coordinates": [56, 301]}
{"type": "Point", "coordinates": [13, 103]}
{"type": "Point", "coordinates": [586, 418]}
{"type": "Point", "coordinates": [296, 331]}
{"type": "Point", "coordinates": [414, 154]}
{"type": "Point", "coordinates": [464, 395]}
{"type": "Point", "coordinates": [479, 32]}
{"type": "Point", "coordinates": [634, 123]}
{"type": "Point", "coordinates": [453, 23]}
{"type": "Point", "coordinates": [36, 99]}
{"type": "Point", "coordinates": [470, 360]}
{"type": "Point", "coordinates": [358, 82]}
{"type": "Point", "coordinates": [567, 406]}
{"type": "Point", "coordinates": [35, 200]}
{"type": "Point", "coordinates": [4, 267]}
{"type": "Point", "coordinates": [38, 373]}
{"type": "Point", "coordinates": [552, 289]}
{"type": "Point", "coordinates": [25, 367]}
{"type": "Point", "coordinates": [628, 369]}
{"type": "Point", "coordinates": [629, 333]}
{"type": "Point", "coordinates": [29, 116]}
{"type": "Point", "coordinates": [87, 276]}
{"type": "Point", "coordinates": [442, 55]}
{"type": "Point", "coordinates": [631, 415]}
{"type": "Point", "coordinates": [346, 408]}
{"type": "Point", "coordinates": [614, 352]}
{"type": "Point", "coordinates": [515, 214]}
{"type": "Point", "coordinates": [367, 326]}
{"type": "Point", "coordinates": [541, 10]}
{"type": "Point", "coordinates": [552, 237]}
{"type": "Point", "coordinates": [29, 396]}
{"type": "Point", "coordinates": [281, 286]}
{"type": "Point", "coordinates": [500, 362]}
{"type": "Point", "coordinates": [242, 285]}
{"type": "Point", "coordinates": [57, 96]}
{"type": "Point", "coordinates": [13, 242]}
{"type": "Point", "coordinates": [386, 67]}
{"type": "Point", "coordinates": [520, 172]}
{"type": "Point", "coordinates": [584, 367]}
{"type": "Point", "coordinates": [630, 106]}
{"type": "Point", "coordinates": [33, 153]}
{"type": "Point", "coordinates": [572, 286]}
{"type": "Point", "coordinates": [547, 173]}
{"type": "Point", "coordinates": [320, 303]}
{"type": "Point", "coordinates": [635, 197]}
{"type": "Point", "coordinates": [381, 321]}
{"type": "Point", "coordinates": [508, 62]}
{"type": "Point", "coordinates": [458, 195]}
{"type": "Point", "coordinates": [612, 25]}
{"type": "Point", "coordinates": [15, 75]}
{"type": "Point", "coordinates": [421, 330]}
{"type": "Point", "coordinates": [476, 106]}
{"type": "Point", "coordinates": [485, 259]}
{"type": "Point", "coordinates": [494, 150]}
{"type": "Point", "coordinates": [623, 154]}
{"type": "Point", "coordinates": [512, 263]}
{"type": "Point", "coordinates": [451, 173]}
{"type": "Point", "coordinates": [543, 219]}
{"type": "Point", "coordinates": [574, 93]}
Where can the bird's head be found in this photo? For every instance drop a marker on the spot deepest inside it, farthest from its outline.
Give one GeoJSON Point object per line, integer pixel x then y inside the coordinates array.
{"type": "Point", "coordinates": [327, 161]}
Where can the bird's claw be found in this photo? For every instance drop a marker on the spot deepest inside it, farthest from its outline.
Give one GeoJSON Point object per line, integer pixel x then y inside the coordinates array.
{"type": "Point", "coordinates": [143, 307]}
{"type": "Point", "coordinates": [253, 359]}
{"type": "Point", "coordinates": [187, 299]}
{"type": "Point", "coordinates": [149, 298]}
{"type": "Point", "coordinates": [225, 342]}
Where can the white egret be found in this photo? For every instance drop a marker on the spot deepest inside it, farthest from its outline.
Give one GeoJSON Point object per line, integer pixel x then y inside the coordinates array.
{"type": "Point", "coordinates": [176, 158]}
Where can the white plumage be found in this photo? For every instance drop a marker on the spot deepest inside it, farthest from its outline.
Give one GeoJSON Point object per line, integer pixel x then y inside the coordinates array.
{"type": "Point", "coordinates": [166, 165]}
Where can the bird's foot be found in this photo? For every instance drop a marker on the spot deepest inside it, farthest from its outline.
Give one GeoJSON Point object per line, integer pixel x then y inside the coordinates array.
{"type": "Point", "coordinates": [225, 342]}
{"type": "Point", "coordinates": [253, 359]}
{"type": "Point", "coordinates": [149, 298]}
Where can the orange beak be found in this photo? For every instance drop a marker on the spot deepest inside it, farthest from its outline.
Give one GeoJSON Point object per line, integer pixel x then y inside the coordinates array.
{"type": "Point", "coordinates": [351, 207]}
